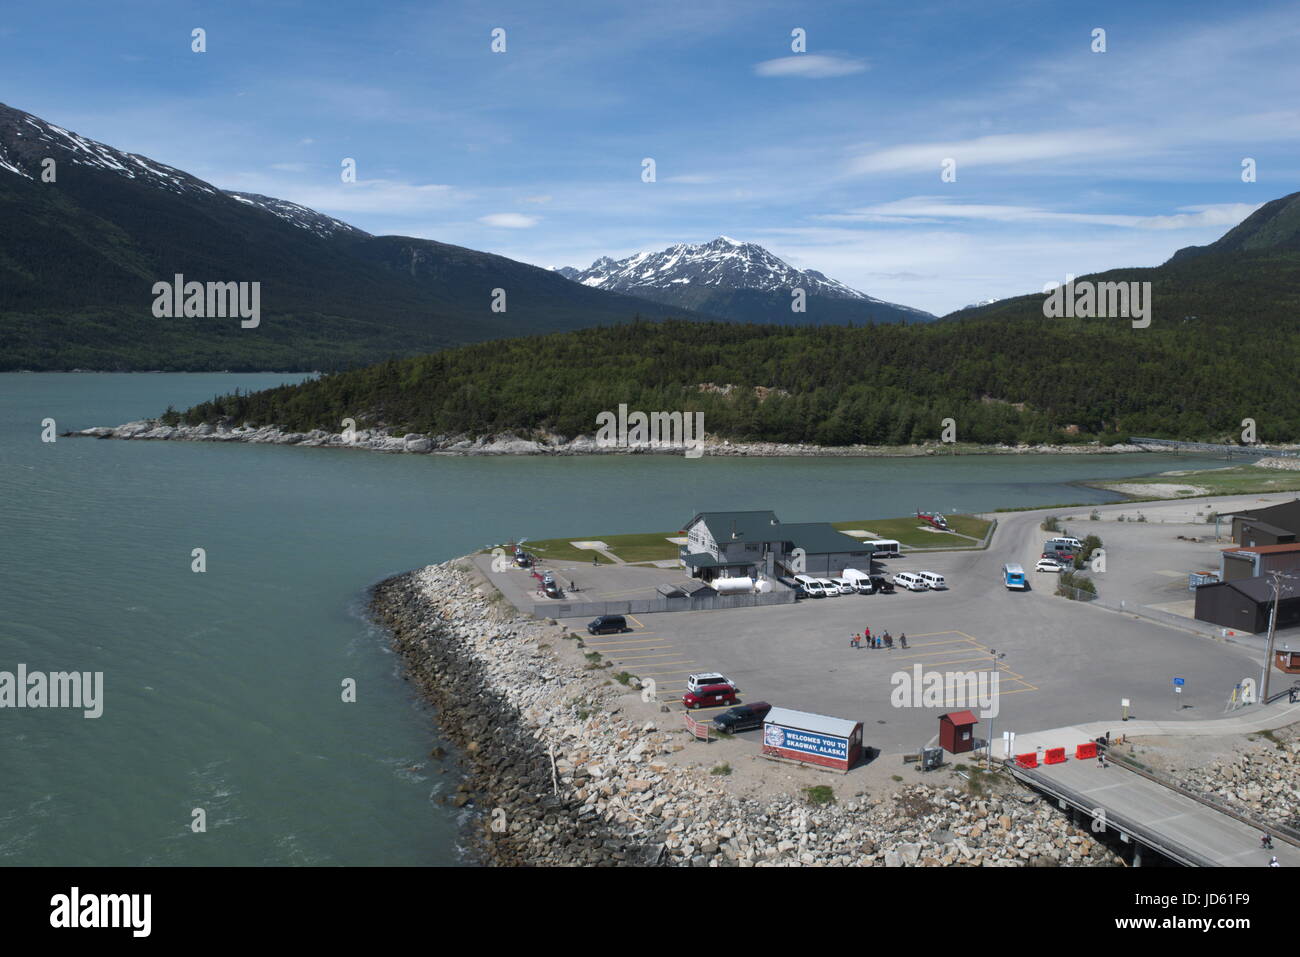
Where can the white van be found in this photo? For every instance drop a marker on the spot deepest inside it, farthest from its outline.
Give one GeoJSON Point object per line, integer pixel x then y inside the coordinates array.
{"type": "Point", "coordinates": [861, 581]}
{"type": "Point", "coordinates": [845, 586]}
{"type": "Point", "coordinates": [809, 586]}
{"type": "Point", "coordinates": [883, 547]}
{"type": "Point", "coordinates": [911, 581]}
{"type": "Point", "coordinates": [933, 579]}
{"type": "Point", "coordinates": [829, 587]}
{"type": "Point", "coordinates": [1072, 542]}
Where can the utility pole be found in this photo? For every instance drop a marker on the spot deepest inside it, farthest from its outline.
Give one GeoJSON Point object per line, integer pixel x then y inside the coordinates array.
{"type": "Point", "coordinates": [1272, 633]}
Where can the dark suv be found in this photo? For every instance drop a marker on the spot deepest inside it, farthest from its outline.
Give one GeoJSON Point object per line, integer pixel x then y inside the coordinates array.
{"type": "Point", "coordinates": [879, 583]}
{"type": "Point", "coordinates": [744, 717]}
{"type": "Point", "coordinates": [607, 625]}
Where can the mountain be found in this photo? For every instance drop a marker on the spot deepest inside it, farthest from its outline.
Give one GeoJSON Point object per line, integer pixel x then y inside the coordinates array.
{"type": "Point", "coordinates": [1222, 345]}
{"type": "Point", "coordinates": [79, 257]}
{"type": "Point", "coordinates": [740, 281]}
{"type": "Point", "coordinates": [1246, 280]}
{"type": "Point", "coordinates": [1274, 226]}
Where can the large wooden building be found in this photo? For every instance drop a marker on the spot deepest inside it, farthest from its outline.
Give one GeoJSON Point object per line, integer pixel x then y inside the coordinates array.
{"type": "Point", "coordinates": [756, 543]}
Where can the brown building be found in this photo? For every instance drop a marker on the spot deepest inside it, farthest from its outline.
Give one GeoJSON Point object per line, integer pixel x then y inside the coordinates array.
{"type": "Point", "coordinates": [1251, 561]}
{"type": "Point", "coordinates": [1245, 604]}
{"type": "Point", "coordinates": [1275, 525]}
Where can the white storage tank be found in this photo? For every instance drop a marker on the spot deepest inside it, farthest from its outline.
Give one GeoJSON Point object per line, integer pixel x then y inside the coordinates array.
{"type": "Point", "coordinates": [733, 586]}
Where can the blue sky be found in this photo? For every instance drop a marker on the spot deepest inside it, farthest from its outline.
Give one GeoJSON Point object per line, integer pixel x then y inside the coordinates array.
{"type": "Point", "coordinates": [1066, 160]}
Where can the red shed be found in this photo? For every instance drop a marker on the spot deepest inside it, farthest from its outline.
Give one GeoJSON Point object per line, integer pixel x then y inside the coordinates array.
{"type": "Point", "coordinates": [957, 731]}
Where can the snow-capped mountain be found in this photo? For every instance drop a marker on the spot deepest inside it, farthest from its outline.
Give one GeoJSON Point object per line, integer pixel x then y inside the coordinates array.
{"type": "Point", "coordinates": [736, 280]}
{"type": "Point", "coordinates": [27, 142]}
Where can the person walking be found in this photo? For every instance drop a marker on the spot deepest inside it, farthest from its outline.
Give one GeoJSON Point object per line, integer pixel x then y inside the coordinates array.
{"type": "Point", "coordinates": [902, 639]}
{"type": "Point", "coordinates": [1272, 862]}
{"type": "Point", "coordinates": [1266, 842]}
{"type": "Point", "coordinates": [889, 640]}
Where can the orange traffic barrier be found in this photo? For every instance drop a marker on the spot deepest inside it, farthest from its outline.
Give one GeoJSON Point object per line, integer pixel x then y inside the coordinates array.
{"type": "Point", "coordinates": [1054, 756]}
{"type": "Point", "coordinates": [1086, 751]}
{"type": "Point", "coordinates": [1029, 760]}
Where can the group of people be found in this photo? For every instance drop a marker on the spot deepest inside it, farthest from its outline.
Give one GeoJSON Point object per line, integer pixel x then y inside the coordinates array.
{"type": "Point", "coordinates": [884, 640]}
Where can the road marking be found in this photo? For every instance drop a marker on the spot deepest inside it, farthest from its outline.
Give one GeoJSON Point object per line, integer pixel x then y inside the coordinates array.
{"type": "Point", "coordinates": [637, 620]}
{"type": "Point", "coordinates": [669, 654]}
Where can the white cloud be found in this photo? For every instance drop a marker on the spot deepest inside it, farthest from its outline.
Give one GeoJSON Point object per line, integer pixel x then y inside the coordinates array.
{"type": "Point", "coordinates": [1007, 149]}
{"type": "Point", "coordinates": [509, 220]}
{"type": "Point", "coordinates": [810, 66]}
{"type": "Point", "coordinates": [933, 209]}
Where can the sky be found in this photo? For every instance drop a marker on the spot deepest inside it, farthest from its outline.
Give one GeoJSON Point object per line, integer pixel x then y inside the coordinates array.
{"type": "Point", "coordinates": [1066, 159]}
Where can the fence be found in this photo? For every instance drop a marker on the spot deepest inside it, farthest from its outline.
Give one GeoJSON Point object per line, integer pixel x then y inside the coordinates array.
{"type": "Point", "coordinates": [1077, 594]}
{"type": "Point", "coordinates": [780, 595]}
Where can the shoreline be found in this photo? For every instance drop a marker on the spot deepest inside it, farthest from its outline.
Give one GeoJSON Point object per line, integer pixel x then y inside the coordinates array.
{"type": "Point", "coordinates": [511, 444]}
{"type": "Point", "coordinates": [564, 766]}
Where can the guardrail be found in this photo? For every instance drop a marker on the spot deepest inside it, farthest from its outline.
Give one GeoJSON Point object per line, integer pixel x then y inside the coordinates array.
{"type": "Point", "coordinates": [1122, 823]}
{"type": "Point", "coordinates": [1288, 834]}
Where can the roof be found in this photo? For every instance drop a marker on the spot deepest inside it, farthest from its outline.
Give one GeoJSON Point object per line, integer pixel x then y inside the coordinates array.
{"type": "Point", "coordinates": [819, 537]}
{"type": "Point", "coordinates": [961, 717]}
{"type": "Point", "coordinates": [755, 526]}
{"type": "Point", "coordinates": [1286, 514]}
{"type": "Point", "coordinates": [805, 721]}
{"type": "Point", "coordinates": [1258, 589]}
{"type": "Point", "coordinates": [1266, 549]}
{"type": "Point", "coordinates": [1257, 525]}
{"type": "Point", "coordinates": [704, 560]}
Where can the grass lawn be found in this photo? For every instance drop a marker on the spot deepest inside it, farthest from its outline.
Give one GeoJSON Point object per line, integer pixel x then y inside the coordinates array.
{"type": "Point", "coordinates": [905, 530]}
{"type": "Point", "coordinates": [644, 547]}
{"type": "Point", "coordinates": [1237, 480]}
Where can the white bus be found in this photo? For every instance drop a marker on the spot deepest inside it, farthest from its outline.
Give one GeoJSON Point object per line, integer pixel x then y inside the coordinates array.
{"type": "Point", "coordinates": [884, 548]}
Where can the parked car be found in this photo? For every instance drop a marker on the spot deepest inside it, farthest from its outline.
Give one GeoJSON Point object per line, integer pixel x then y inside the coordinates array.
{"type": "Point", "coordinates": [809, 587]}
{"type": "Point", "coordinates": [829, 587]}
{"type": "Point", "coordinates": [710, 696]}
{"type": "Point", "coordinates": [1063, 558]}
{"type": "Point", "coordinates": [705, 678]}
{"type": "Point", "coordinates": [552, 590]}
{"type": "Point", "coordinates": [1073, 543]}
{"type": "Point", "coordinates": [1048, 565]}
{"type": "Point", "coordinates": [744, 717]}
{"type": "Point", "coordinates": [881, 585]}
{"type": "Point", "coordinates": [933, 579]}
{"type": "Point", "coordinates": [607, 625]}
{"type": "Point", "coordinates": [844, 585]}
{"type": "Point", "coordinates": [911, 581]}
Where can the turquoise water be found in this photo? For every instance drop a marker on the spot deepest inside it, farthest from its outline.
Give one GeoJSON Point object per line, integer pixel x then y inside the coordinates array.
{"type": "Point", "coordinates": [222, 689]}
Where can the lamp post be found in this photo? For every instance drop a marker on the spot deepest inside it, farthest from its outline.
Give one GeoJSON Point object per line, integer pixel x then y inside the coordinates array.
{"type": "Point", "coordinates": [993, 652]}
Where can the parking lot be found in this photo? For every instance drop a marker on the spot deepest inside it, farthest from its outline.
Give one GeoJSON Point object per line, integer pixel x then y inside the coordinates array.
{"type": "Point", "coordinates": [1059, 662]}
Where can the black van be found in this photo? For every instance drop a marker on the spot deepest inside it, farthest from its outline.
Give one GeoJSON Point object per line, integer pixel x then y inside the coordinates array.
{"type": "Point", "coordinates": [743, 717]}
{"type": "Point", "coordinates": [607, 624]}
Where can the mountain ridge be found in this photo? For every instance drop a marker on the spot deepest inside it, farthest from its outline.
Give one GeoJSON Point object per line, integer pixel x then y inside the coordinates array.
{"type": "Point", "coordinates": [737, 280]}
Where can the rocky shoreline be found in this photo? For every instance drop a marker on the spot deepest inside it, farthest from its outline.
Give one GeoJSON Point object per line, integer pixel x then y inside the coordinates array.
{"type": "Point", "coordinates": [548, 444]}
{"type": "Point", "coordinates": [562, 770]}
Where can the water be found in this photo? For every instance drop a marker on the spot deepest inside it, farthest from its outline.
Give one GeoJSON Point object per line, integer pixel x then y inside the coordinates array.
{"type": "Point", "coordinates": [222, 690]}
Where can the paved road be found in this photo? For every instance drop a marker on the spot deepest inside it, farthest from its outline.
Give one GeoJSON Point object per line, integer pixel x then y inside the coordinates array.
{"type": "Point", "coordinates": [1125, 796]}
